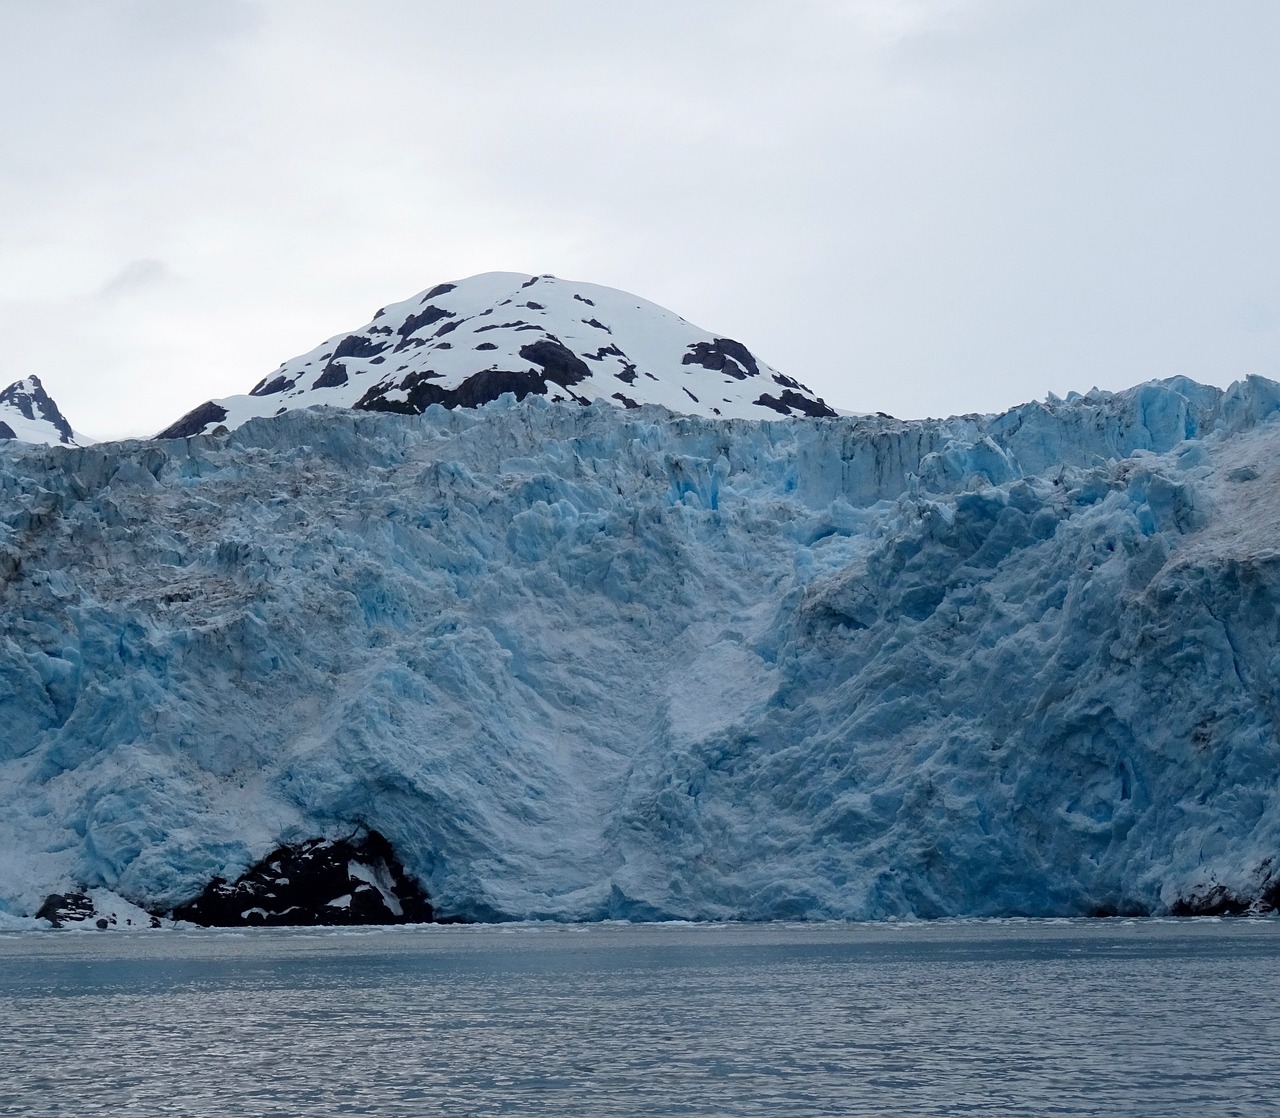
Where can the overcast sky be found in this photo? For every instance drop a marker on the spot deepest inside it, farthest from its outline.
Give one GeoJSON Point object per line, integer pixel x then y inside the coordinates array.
{"type": "Point", "coordinates": [914, 206]}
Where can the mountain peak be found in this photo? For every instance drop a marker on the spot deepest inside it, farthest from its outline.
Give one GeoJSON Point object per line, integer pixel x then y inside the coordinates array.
{"type": "Point", "coordinates": [28, 414]}
{"type": "Point", "coordinates": [464, 343]}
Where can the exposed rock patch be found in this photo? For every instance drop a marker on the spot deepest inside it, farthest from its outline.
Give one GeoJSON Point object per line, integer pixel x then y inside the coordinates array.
{"type": "Point", "coordinates": [29, 399]}
{"type": "Point", "coordinates": [723, 355]}
{"type": "Point", "coordinates": [416, 322]}
{"type": "Point", "coordinates": [559, 363]}
{"type": "Point", "coordinates": [353, 345]}
{"type": "Point", "coordinates": [789, 400]}
{"type": "Point", "coordinates": [420, 394]}
{"type": "Point", "coordinates": [270, 387]}
{"type": "Point", "coordinates": [194, 421]}
{"type": "Point", "coordinates": [334, 376]}
{"type": "Point", "coordinates": [78, 909]}
{"type": "Point", "coordinates": [319, 882]}
{"type": "Point", "coordinates": [62, 908]}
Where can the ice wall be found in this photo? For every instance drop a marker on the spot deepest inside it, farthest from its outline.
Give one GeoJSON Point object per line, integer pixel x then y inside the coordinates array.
{"type": "Point", "coordinates": [584, 662]}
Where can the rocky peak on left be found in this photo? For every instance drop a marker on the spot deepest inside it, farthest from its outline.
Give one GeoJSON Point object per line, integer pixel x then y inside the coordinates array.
{"type": "Point", "coordinates": [29, 414]}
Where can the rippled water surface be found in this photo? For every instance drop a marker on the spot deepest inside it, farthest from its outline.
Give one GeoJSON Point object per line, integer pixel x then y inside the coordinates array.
{"type": "Point", "coordinates": [1005, 1018]}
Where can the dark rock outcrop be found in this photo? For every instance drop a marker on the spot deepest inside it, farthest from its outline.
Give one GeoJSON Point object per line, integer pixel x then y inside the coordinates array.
{"type": "Point", "coordinates": [318, 882]}
{"type": "Point", "coordinates": [416, 322]}
{"type": "Point", "coordinates": [59, 908]}
{"type": "Point", "coordinates": [1218, 900]}
{"type": "Point", "coordinates": [334, 376]}
{"type": "Point", "coordinates": [559, 363]}
{"type": "Point", "coordinates": [29, 398]}
{"type": "Point", "coordinates": [355, 345]}
{"type": "Point", "coordinates": [269, 387]}
{"type": "Point", "coordinates": [475, 390]}
{"type": "Point", "coordinates": [1214, 902]}
{"type": "Point", "coordinates": [194, 421]}
{"type": "Point", "coordinates": [788, 400]}
{"type": "Point", "coordinates": [723, 355]}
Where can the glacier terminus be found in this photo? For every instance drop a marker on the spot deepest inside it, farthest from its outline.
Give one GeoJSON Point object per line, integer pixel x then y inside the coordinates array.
{"type": "Point", "coordinates": [585, 662]}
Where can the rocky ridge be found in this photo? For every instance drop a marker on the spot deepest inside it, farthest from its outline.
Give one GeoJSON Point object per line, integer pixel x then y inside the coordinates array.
{"type": "Point", "coordinates": [464, 344]}
{"type": "Point", "coordinates": [28, 414]}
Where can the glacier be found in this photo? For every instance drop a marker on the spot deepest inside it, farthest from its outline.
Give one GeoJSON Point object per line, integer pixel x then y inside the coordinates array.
{"type": "Point", "coordinates": [583, 663]}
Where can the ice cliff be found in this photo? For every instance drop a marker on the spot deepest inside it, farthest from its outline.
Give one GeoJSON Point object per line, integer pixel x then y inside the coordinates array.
{"type": "Point", "coordinates": [587, 662]}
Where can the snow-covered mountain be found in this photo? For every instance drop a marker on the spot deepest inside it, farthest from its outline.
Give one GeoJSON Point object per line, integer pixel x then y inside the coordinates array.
{"type": "Point", "coordinates": [28, 414]}
{"type": "Point", "coordinates": [585, 662]}
{"type": "Point", "coordinates": [466, 343]}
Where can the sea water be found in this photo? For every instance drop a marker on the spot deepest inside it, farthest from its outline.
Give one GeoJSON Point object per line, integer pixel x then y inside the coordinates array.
{"type": "Point", "coordinates": [993, 1018]}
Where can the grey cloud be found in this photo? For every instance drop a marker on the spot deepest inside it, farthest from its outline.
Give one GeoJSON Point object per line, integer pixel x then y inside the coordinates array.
{"type": "Point", "coordinates": [916, 207]}
{"type": "Point", "coordinates": [137, 275]}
